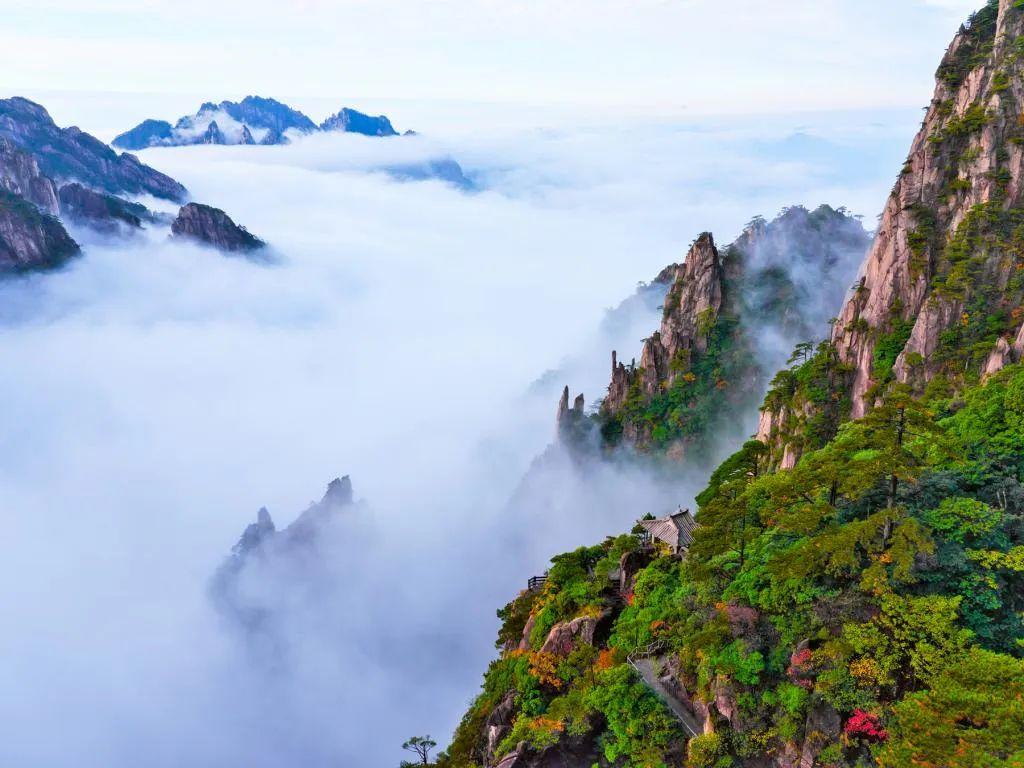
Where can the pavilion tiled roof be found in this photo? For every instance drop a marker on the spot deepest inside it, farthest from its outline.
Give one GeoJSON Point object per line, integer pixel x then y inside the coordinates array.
{"type": "Point", "coordinates": [676, 529]}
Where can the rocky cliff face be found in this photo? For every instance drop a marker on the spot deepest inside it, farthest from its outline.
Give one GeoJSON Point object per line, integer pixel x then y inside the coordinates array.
{"type": "Point", "coordinates": [20, 174]}
{"type": "Point", "coordinates": [943, 273]}
{"type": "Point", "coordinates": [692, 308]}
{"type": "Point", "coordinates": [104, 213]}
{"type": "Point", "coordinates": [211, 226]}
{"type": "Point", "coordinates": [33, 237]}
{"type": "Point", "coordinates": [29, 238]}
{"type": "Point", "coordinates": [70, 154]}
{"type": "Point", "coordinates": [730, 317]}
{"type": "Point", "coordinates": [35, 155]}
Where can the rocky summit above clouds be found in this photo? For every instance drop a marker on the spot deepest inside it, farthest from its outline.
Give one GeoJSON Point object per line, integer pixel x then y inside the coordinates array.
{"type": "Point", "coordinates": [260, 121]}
{"type": "Point", "coordinates": [263, 546]}
{"type": "Point", "coordinates": [338, 497]}
{"type": "Point", "coordinates": [353, 121]}
{"type": "Point", "coordinates": [938, 304]}
{"type": "Point", "coordinates": [70, 154]}
{"type": "Point", "coordinates": [35, 156]}
{"type": "Point", "coordinates": [254, 120]}
{"type": "Point", "coordinates": [51, 177]}
{"type": "Point", "coordinates": [731, 316]}
{"type": "Point", "coordinates": [211, 226]}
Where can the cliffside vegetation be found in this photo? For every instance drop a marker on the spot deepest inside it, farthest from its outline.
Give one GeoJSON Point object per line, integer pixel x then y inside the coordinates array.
{"type": "Point", "coordinates": [863, 608]}
{"type": "Point", "coordinates": [854, 592]}
{"type": "Point", "coordinates": [728, 324]}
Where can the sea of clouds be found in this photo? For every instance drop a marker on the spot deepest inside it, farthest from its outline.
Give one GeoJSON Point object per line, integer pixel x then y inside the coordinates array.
{"type": "Point", "coordinates": [156, 394]}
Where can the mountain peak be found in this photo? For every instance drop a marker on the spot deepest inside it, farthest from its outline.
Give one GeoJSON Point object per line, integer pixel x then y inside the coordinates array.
{"type": "Point", "coordinates": [253, 120]}
{"type": "Point", "coordinates": [339, 492]}
{"type": "Point", "coordinates": [927, 292]}
{"type": "Point", "coordinates": [353, 121]}
{"type": "Point", "coordinates": [708, 361]}
{"type": "Point", "coordinates": [212, 226]}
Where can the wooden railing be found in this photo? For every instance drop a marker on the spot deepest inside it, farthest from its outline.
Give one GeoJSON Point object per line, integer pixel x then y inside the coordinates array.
{"type": "Point", "coordinates": [536, 583]}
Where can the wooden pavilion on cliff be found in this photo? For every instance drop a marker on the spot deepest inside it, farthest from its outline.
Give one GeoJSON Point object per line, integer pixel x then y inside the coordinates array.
{"type": "Point", "coordinates": [676, 530]}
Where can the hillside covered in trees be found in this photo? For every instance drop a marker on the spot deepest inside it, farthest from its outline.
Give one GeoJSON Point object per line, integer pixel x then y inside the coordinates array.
{"type": "Point", "coordinates": [854, 592]}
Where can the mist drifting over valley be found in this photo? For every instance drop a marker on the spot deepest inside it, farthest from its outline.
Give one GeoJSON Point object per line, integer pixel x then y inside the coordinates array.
{"type": "Point", "coordinates": [159, 393]}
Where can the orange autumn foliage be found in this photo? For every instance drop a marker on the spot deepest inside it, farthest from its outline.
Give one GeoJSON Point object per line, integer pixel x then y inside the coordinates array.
{"type": "Point", "coordinates": [605, 660]}
{"type": "Point", "coordinates": [544, 667]}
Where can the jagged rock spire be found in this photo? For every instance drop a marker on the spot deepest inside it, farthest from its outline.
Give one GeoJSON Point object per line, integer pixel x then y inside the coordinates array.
{"type": "Point", "coordinates": [691, 306]}
{"type": "Point", "coordinates": [569, 418]}
{"type": "Point", "coordinates": [339, 492]}
{"type": "Point", "coordinates": [563, 406]}
{"type": "Point", "coordinates": [306, 527]}
{"type": "Point", "coordinates": [256, 533]}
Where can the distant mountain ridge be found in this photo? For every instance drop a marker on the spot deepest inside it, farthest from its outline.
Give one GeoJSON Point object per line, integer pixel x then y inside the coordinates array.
{"type": "Point", "coordinates": [253, 120]}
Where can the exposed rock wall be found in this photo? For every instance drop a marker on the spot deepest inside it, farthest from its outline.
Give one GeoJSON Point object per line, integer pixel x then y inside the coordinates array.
{"type": "Point", "coordinates": [103, 212]}
{"type": "Point", "coordinates": [30, 239]}
{"type": "Point", "coordinates": [731, 316]}
{"type": "Point", "coordinates": [213, 227]}
{"type": "Point", "coordinates": [70, 154]}
{"type": "Point", "coordinates": [967, 157]}
{"type": "Point", "coordinates": [20, 174]}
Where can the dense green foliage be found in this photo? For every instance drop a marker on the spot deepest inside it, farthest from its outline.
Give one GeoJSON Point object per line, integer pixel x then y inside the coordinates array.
{"type": "Point", "coordinates": [881, 580]}
{"type": "Point", "coordinates": [972, 715]}
{"type": "Point", "coordinates": [586, 693]}
{"type": "Point", "coordinates": [691, 406]}
{"type": "Point", "coordinates": [814, 394]}
{"type": "Point", "coordinates": [886, 554]}
{"type": "Point", "coordinates": [863, 607]}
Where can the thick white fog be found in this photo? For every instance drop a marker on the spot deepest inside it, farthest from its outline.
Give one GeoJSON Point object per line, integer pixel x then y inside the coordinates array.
{"type": "Point", "coordinates": [156, 395]}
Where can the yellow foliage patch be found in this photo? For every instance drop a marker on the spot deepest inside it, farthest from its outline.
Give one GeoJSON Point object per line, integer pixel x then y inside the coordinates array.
{"type": "Point", "coordinates": [544, 667]}
{"type": "Point", "coordinates": [865, 670]}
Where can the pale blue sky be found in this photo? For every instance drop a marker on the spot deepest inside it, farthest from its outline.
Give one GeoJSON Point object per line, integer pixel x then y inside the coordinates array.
{"type": "Point", "coordinates": [666, 55]}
